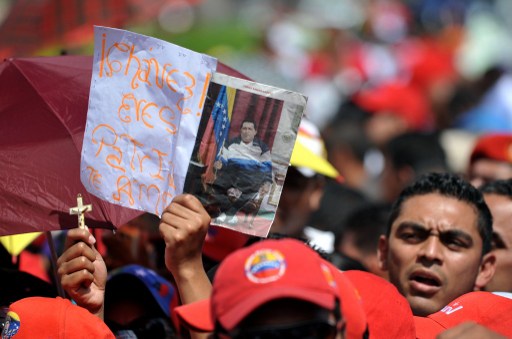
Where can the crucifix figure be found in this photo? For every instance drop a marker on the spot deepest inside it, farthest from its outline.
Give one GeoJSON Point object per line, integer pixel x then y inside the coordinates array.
{"type": "Point", "coordinates": [79, 210]}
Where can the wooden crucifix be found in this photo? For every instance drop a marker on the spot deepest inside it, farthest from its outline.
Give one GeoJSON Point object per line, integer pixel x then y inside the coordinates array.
{"type": "Point", "coordinates": [79, 210]}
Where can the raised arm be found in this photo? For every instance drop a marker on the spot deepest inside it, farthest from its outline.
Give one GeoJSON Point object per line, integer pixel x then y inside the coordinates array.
{"type": "Point", "coordinates": [184, 225]}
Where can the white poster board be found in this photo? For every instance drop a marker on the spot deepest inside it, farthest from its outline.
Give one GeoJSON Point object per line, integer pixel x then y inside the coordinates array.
{"type": "Point", "coordinates": [145, 105]}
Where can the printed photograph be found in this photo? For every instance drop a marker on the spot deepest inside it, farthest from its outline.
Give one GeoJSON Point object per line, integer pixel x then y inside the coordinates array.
{"type": "Point", "coordinates": [242, 151]}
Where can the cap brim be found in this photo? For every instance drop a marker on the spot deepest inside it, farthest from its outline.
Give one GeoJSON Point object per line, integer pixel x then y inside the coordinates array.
{"type": "Point", "coordinates": [196, 316]}
{"type": "Point", "coordinates": [231, 318]}
{"type": "Point", "coordinates": [427, 327]}
{"type": "Point", "coordinates": [302, 157]}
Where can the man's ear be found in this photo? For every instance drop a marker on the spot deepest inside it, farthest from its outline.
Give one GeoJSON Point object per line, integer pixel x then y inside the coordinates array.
{"type": "Point", "coordinates": [382, 253]}
{"type": "Point", "coordinates": [486, 271]}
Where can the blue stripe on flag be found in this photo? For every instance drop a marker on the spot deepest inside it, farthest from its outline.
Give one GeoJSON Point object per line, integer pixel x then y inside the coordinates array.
{"type": "Point", "coordinates": [220, 119]}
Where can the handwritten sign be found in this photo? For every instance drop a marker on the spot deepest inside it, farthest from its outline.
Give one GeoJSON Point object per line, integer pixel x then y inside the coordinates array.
{"type": "Point", "coordinates": [145, 105]}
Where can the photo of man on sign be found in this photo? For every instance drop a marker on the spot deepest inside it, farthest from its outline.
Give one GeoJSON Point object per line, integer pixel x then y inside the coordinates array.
{"type": "Point", "coordinates": [245, 137]}
{"type": "Point", "coordinates": [244, 173]}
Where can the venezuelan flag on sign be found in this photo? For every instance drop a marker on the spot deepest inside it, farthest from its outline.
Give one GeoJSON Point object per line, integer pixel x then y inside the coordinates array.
{"type": "Point", "coordinates": [217, 131]}
{"type": "Point", "coordinates": [221, 120]}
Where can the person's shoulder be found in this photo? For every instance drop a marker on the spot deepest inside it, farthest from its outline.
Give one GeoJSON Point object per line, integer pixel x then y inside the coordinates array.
{"type": "Point", "coordinates": [258, 142]}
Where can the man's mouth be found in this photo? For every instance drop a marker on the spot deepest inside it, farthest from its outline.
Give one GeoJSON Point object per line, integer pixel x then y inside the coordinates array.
{"type": "Point", "coordinates": [425, 282]}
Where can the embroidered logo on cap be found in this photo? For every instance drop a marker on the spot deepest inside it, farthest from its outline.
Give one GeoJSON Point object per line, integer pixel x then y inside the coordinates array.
{"type": "Point", "coordinates": [449, 309]}
{"type": "Point", "coordinates": [12, 325]}
{"type": "Point", "coordinates": [264, 266]}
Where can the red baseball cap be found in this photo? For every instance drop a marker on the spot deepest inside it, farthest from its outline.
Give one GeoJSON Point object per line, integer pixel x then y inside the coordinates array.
{"type": "Point", "coordinates": [388, 313]}
{"type": "Point", "coordinates": [266, 271]}
{"type": "Point", "coordinates": [493, 146]}
{"type": "Point", "coordinates": [352, 307]}
{"type": "Point", "coordinates": [40, 317]}
{"type": "Point", "coordinates": [394, 98]}
{"type": "Point", "coordinates": [491, 310]}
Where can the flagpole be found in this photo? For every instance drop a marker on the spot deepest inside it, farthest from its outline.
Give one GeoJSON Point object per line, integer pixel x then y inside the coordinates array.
{"type": "Point", "coordinates": [53, 252]}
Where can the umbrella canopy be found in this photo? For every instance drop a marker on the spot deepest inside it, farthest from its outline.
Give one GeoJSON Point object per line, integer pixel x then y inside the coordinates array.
{"type": "Point", "coordinates": [43, 111]}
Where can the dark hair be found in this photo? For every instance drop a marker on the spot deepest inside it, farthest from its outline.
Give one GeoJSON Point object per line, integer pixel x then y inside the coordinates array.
{"type": "Point", "coordinates": [345, 130]}
{"type": "Point", "coordinates": [421, 151]}
{"type": "Point", "coordinates": [345, 263]}
{"type": "Point", "coordinates": [366, 223]}
{"type": "Point", "coordinates": [249, 121]}
{"type": "Point", "coordinates": [499, 187]}
{"type": "Point", "coordinates": [449, 185]}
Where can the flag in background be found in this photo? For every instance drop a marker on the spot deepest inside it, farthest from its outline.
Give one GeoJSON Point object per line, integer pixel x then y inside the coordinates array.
{"type": "Point", "coordinates": [217, 131]}
{"type": "Point", "coordinates": [221, 120]}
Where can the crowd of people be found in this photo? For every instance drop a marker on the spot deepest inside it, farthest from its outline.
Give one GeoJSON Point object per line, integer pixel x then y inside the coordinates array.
{"type": "Point", "coordinates": [435, 262]}
{"type": "Point", "coordinates": [399, 228]}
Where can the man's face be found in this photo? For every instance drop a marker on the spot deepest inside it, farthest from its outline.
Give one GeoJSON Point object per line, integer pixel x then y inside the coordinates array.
{"type": "Point", "coordinates": [248, 132]}
{"type": "Point", "coordinates": [485, 170]}
{"type": "Point", "coordinates": [433, 253]}
{"type": "Point", "coordinates": [501, 210]}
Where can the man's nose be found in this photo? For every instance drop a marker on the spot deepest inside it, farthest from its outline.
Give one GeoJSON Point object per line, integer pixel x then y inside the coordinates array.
{"type": "Point", "coordinates": [431, 250]}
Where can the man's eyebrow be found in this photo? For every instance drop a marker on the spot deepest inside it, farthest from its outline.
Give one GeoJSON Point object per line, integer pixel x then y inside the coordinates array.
{"type": "Point", "coordinates": [410, 225]}
{"type": "Point", "coordinates": [455, 233]}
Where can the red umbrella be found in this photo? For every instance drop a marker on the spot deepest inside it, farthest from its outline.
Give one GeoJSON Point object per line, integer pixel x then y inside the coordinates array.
{"type": "Point", "coordinates": [43, 111]}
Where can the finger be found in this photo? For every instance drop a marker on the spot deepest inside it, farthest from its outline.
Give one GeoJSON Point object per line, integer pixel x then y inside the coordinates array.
{"type": "Point", "coordinates": [176, 214]}
{"type": "Point", "coordinates": [75, 235]}
{"type": "Point", "coordinates": [168, 233]}
{"type": "Point", "coordinates": [180, 212]}
{"type": "Point", "coordinates": [190, 202]}
{"type": "Point", "coordinates": [179, 231]}
{"type": "Point", "coordinates": [171, 219]}
{"type": "Point", "coordinates": [183, 205]}
{"type": "Point", "coordinates": [75, 251]}
{"type": "Point", "coordinates": [76, 265]}
{"type": "Point", "coordinates": [76, 280]}
{"type": "Point", "coordinates": [178, 238]}
{"type": "Point", "coordinates": [183, 219]}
